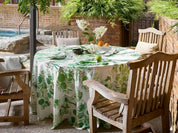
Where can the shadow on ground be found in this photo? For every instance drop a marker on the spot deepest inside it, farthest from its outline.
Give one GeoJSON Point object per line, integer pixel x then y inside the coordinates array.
{"type": "Point", "coordinates": [44, 126]}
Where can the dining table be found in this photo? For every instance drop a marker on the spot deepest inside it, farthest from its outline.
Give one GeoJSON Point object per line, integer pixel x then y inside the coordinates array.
{"type": "Point", "coordinates": [58, 74]}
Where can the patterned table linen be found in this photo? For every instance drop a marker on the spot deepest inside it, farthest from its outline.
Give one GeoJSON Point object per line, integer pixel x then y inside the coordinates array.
{"type": "Point", "coordinates": [57, 89]}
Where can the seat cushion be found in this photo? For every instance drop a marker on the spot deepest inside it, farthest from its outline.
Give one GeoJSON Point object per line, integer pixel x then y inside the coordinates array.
{"type": "Point", "coordinates": [67, 41]}
{"type": "Point", "coordinates": [12, 62]}
{"type": "Point", "coordinates": [4, 81]}
{"type": "Point", "coordinates": [146, 48]}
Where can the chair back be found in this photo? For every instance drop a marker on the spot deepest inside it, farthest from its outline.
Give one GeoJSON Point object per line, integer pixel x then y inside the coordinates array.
{"type": "Point", "coordinates": [65, 32]}
{"type": "Point", "coordinates": [152, 35]}
{"type": "Point", "coordinates": [150, 83]}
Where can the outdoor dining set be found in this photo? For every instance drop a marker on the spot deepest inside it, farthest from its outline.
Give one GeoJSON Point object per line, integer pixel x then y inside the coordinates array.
{"type": "Point", "coordinates": [123, 86]}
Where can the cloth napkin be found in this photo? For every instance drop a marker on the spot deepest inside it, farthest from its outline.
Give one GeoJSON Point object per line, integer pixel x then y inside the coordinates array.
{"type": "Point", "coordinates": [58, 56]}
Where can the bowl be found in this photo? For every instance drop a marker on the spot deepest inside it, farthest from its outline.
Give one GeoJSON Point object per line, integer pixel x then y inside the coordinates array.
{"type": "Point", "coordinates": [93, 48]}
{"type": "Point", "coordinates": [78, 51]}
{"type": "Point", "coordinates": [104, 48]}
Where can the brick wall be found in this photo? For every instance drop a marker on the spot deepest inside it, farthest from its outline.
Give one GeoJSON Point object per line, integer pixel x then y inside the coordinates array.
{"type": "Point", "coordinates": [113, 35]}
{"type": "Point", "coordinates": [1, 1]}
{"type": "Point", "coordinates": [171, 46]}
{"type": "Point", "coordinates": [9, 17]}
{"type": "Point", "coordinates": [170, 40]}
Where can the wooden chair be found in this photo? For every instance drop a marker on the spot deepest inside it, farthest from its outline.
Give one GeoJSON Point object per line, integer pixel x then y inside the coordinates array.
{"type": "Point", "coordinates": [148, 94]}
{"type": "Point", "coordinates": [65, 32]}
{"type": "Point", "coordinates": [152, 35]}
{"type": "Point", "coordinates": [18, 90]}
{"type": "Point", "coordinates": [174, 109]}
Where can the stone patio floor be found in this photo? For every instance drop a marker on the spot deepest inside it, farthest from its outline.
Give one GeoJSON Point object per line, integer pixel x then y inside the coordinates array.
{"type": "Point", "coordinates": [36, 126]}
{"type": "Point", "coordinates": [44, 126]}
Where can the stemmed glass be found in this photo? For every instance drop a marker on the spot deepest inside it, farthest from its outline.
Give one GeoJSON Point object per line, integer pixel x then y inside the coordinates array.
{"type": "Point", "coordinates": [62, 47]}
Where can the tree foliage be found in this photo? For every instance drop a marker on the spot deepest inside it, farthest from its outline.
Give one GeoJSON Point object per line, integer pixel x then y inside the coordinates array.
{"type": "Point", "coordinates": [24, 5]}
{"type": "Point", "coordinates": [167, 8]}
{"type": "Point", "coordinates": [111, 10]}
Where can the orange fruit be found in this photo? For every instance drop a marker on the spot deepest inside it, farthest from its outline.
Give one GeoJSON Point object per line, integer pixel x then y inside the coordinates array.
{"type": "Point", "coordinates": [100, 43]}
{"type": "Point", "coordinates": [106, 44]}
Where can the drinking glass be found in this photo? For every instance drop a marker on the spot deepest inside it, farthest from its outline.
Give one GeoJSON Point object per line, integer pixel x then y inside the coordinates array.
{"type": "Point", "coordinates": [62, 47]}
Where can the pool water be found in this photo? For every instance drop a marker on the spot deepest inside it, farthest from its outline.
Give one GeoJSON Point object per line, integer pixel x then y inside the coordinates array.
{"type": "Point", "coordinates": [9, 34]}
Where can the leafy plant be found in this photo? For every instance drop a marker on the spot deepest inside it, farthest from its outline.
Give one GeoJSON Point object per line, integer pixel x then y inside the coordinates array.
{"type": "Point", "coordinates": [111, 10]}
{"type": "Point", "coordinates": [24, 5]}
{"type": "Point", "coordinates": [164, 8]}
{"type": "Point", "coordinates": [167, 8]}
{"type": "Point", "coordinates": [92, 35]}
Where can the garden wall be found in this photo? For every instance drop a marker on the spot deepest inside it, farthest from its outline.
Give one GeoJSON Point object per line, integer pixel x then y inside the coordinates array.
{"type": "Point", "coordinates": [170, 40]}
{"type": "Point", "coordinates": [171, 46]}
{"type": "Point", "coordinates": [113, 35]}
{"type": "Point", "coordinates": [9, 17]}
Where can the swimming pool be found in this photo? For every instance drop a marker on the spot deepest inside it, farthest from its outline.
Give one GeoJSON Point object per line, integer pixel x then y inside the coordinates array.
{"type": "Point", "coordinates": [9, 33]}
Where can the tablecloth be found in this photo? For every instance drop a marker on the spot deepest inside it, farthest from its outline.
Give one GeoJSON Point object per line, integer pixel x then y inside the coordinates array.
{"type": "Point", "coordinates": [57, 89]}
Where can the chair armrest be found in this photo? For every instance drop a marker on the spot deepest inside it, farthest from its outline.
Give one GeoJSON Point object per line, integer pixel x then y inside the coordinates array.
{"type": "Point", "coordinates": [1, 60]}
{"type": "Point", "coordinates": [14, 72]}
{"type": "Point", "coordinates": [131, 47]}
{"type": "Point", "coordinates": [107, 93]}
{"type": "Point", "coordinates": [23, 84]}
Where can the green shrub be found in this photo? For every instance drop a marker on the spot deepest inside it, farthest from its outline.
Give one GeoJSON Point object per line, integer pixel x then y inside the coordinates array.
{"type": "Point", "coordinates": [167, 8]}
{"type": "Point", "coordinates": [125, 10]}
{"type": "Point", "coordinates": [24, 5]}
{"type": "Point", "coordinates": [164, 8]}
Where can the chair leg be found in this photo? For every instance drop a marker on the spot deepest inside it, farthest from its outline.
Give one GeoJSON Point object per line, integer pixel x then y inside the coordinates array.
{"type": "Point", "coordinates": [165, 122]}
{"type": "Point", "coordinates": [26, 111]}
{"type": "Point", "coordinates": [8, 107]}
{"type": "Point", "coordinates": [128, 130]}
{"type": "Point", "coordinates": [127, 126]}
{"type": "Point", "coordinates": [93, 122]}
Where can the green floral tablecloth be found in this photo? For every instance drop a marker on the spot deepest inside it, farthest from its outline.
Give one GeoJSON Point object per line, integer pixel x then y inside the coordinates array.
{"type": "Point", "coordinates": [57, 89]}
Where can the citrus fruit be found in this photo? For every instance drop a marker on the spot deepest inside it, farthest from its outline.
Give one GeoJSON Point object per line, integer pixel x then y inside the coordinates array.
{"type": "Point", "coordinates": [106, 44]}
{"type": "Point", "coordinates": [98, 58]}
{"type": "Point", "coordinates": [100, 43]}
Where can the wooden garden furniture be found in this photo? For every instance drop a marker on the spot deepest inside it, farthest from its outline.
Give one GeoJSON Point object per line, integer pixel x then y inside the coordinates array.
{"type": "Point", "coordinates": [150, 40]}
{"type": "Point", "coordinates": [65, 32]}
{"type": "Point", "coordinates": [174, 109]}
{"type": "Point", "coordinates": [152, 35]}
{"type": "Point", "coordinates": [148, 95]}
{"type": "Point", "coordinates": [18, 89]}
